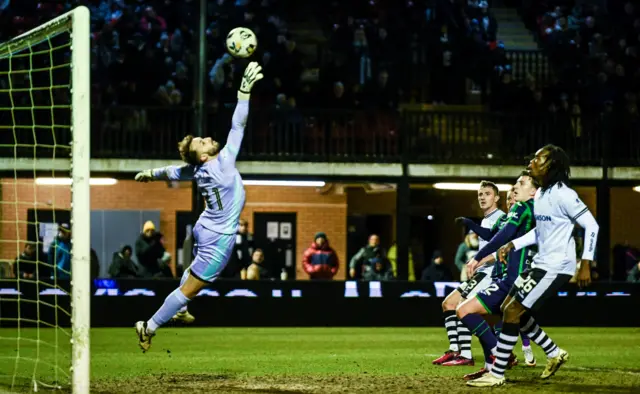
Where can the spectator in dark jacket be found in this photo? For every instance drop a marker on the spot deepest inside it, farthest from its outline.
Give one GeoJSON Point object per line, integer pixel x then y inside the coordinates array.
{"type": "Point", "coordinates": [320, 261]}
{"type": "Point", "coordinates": [364, 257]}
{"type": "Point", "coordinates": [437, 271]}
{"type": "Point", "coordinates": [149, 249]}
{"type": "Point", "coordinates": [378, 268]}
{"type": "Point", "coordinates": [122, 266]}
{"type": "Point", "coordinates": [25, 265]}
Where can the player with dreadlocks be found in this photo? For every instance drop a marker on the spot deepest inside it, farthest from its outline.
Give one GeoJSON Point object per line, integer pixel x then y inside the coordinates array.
{"type": "Point", "coordinates": [556, 208]}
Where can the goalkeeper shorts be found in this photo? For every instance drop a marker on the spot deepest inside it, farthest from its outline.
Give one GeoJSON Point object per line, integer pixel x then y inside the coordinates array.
{"type": "Point", "coordinates": [212, 251]}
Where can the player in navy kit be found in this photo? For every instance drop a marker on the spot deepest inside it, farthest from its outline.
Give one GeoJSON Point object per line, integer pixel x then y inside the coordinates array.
{"type": "Point", "coordinates": [517, 222]}
{"type": "Point", "coordinates": [557, 207]}
{"type": "Point", "coordinates": [220, 183]}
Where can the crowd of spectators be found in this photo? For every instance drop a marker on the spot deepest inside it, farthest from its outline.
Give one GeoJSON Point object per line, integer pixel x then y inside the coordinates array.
{"type": "Point", "coordinates": [143, 54]}
{"type": "Point", "coordinates": [464, 41]}
{"type": "Point", "coordinates": [593, 53]}
{"type": "Point", "coordinates": [143, 50]}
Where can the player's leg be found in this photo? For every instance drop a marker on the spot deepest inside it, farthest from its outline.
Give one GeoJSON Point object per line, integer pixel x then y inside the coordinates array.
{"type": "Point", "coordinates": [451, 324]}
{"type": "Point", "coordinates": [529, 291]}
{"type": "Point", "coordinates": [213, 253]}
{"type": "Point", "coordinates": [529, 357]}
{"type": "Point", "coordinates": [172, 304]}
{"type": "Point", "coordinates": [527, 351]}
{"type": "Point", "coordinates": [471, 313]}
{"type": "Point", "coordinates": [530, 329]}
{"type": "Point", "coordinates": [479, 281]}
{"type": "Point", "coordinates": [183, 315]}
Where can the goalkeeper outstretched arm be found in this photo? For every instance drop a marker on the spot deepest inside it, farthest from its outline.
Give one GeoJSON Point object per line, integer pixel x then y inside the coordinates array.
{"type": "Point", "coordinates": [229, 153]}
{"type": "Point", "coordinates": [169, 173]}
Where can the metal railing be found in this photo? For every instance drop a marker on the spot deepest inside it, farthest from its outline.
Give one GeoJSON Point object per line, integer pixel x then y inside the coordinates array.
{"type": "Point", "coordinates": [475, 138]}
{"type": "Point", "coordinates": [348, 136]}
{"type": "Point", "coordinates": [139, 132]}
{"type": "Point", "coordinates": [324, 135]}
{"type": "Point", "coordinates": [533, 62]}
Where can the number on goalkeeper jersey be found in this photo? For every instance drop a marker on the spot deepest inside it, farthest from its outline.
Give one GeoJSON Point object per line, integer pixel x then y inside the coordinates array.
{"type": "Point", "coordinates": [212, 197]}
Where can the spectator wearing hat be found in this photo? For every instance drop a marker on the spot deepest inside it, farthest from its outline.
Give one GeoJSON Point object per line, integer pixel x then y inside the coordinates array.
{"type": "Point", "coordinates": [59, 257]}
{"type": "Point", "coordinates": [149, 249]}
{"type": "Point", "coordinates": [320, 261]}
{"type": "Point", "coordinates": [437, 271]}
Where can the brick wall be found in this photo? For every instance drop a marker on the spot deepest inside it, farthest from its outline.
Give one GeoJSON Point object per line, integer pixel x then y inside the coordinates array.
{"type": "Point", "coordinates": [124, 195]}
{"type": "Point", "coordinates": [315, 211]}
{"type": "Point", "coordinates": [381, 203]}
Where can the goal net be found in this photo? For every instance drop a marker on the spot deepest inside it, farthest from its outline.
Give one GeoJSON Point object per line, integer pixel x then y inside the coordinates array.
{"type": "Point", "coordinates": [44, 200]}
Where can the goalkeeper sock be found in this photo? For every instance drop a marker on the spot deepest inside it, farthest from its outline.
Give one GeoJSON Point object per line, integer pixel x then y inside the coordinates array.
{"type": "Point", "coordinates": [171, 306]}
{"type": "Point", "coordinates": [185, 275]}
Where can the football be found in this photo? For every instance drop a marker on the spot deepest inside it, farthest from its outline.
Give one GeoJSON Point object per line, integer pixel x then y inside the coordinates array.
{"type": "Point", "coordinates": [241, 42]}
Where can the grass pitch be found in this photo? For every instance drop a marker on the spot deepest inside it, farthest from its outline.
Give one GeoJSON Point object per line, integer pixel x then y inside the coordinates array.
{"type": "Point", "coordinates": [312, 360]}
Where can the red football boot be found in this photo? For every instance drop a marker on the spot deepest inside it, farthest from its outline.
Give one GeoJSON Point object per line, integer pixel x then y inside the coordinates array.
{"type": "Point", "coordinates": [476, 375]}
{"type": "Point", "coordinates": [447, 356]}
{"type": "Point", "coordinates": [459, 361]}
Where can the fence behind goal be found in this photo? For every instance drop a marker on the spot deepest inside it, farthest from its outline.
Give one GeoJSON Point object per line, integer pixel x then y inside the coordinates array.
{"type": "Point", "coordinates": [44, 216]}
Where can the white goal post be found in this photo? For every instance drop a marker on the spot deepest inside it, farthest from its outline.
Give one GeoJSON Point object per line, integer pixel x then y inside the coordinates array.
{"type": "Point", "coordinates": [77, 23]}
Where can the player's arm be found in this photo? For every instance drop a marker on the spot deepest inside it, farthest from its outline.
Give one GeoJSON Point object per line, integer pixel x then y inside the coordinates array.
{"type": "Point", "coordinates": [530, 238]}
{"type": "Point", "coordinates": [482, 232]}
{"type": "Point", "coordinates": [515, 217]}
{"type": "Point", "coordinates": [591, 230]}
{"type": "Point", "coordinates": [489, 259]}
{"type": "Point", "coordinates": [169, 173]}
{"type": "Point", "coordinates": [486, 254]}
{"type": "Point", "coordinates": [501, 238]}
{"type": "Point", "coordinates": [579, 213]}
{"type": "Point", "coordinates": [575, 209]}
{"type": "Point", "coordinates": [229, 153]}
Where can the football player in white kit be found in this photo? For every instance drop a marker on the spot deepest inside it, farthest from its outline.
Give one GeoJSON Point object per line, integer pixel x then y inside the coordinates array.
{"type": "Point", "coordinates": [557, 208]}
{"type": "Point", "coordinates": [459, 352]}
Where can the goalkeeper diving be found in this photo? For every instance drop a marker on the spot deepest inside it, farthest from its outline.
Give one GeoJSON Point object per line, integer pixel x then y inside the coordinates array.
{"type": "Point", "coordinates": [220, 183]}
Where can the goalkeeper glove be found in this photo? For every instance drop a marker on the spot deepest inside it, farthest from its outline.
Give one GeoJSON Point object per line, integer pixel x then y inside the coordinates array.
{"type": "Point", "coordinates": [252, 74]}
{"type": "Point", "coordinates": [144, 176]}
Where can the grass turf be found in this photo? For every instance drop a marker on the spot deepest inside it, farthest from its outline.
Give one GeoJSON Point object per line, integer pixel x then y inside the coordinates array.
{"type": "Point", "coordinates": [313, 360]}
